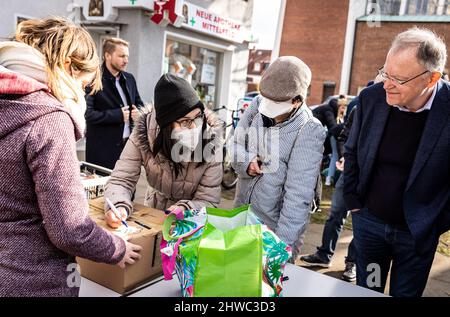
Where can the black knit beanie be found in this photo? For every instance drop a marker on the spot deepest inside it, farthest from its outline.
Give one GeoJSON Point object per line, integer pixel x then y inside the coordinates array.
{"type": "Point", "coordinates": [174, 98]}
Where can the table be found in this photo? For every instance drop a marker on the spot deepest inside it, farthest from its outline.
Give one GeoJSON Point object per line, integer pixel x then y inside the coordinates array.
{"type": "Point", "coordinates": [302, 283]}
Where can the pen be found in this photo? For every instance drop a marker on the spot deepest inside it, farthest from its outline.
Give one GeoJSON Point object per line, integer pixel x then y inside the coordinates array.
{"type": "Point", "coordinates": [116, 212]}
{"type": "Point", "coordinates": [142, 225]}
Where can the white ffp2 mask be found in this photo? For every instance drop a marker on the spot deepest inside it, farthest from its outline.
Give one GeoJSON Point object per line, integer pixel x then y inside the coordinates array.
{"type": "Point", "coordinates": [272, 109]}
{"type": "Point", "coordinates": [188, 138]}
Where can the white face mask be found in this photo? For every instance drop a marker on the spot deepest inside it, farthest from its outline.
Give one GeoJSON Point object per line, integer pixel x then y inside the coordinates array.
{"type": "Point", "coordinates": [188, 138]}
{"type": "Point", "coordinates": [272, 109]}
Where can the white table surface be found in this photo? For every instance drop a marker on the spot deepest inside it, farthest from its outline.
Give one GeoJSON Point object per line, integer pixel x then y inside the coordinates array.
{"type": "Point", "coordinates": [302, 283]}
{"type": "Point", "coordinates": [92, 289]}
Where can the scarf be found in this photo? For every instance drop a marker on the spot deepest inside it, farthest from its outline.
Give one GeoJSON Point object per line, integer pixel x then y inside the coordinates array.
{"type": "Point", "coordinates": [28, 61]}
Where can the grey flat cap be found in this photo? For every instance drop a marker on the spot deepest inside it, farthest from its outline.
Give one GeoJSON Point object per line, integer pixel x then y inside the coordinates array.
{"type": "Point", "coordinates": [286, 78]}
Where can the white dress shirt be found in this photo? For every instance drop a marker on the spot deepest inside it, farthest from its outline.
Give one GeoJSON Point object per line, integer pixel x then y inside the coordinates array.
{"type": "Point", "coordinates": [126, 128]}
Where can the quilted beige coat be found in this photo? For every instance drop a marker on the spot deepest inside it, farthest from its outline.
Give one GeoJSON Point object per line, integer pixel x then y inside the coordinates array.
{"type": "Point", "coordinates": [197, 185]}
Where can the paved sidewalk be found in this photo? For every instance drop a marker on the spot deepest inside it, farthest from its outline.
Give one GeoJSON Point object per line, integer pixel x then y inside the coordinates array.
{"type": "Point", "coordinates": [438, 281]}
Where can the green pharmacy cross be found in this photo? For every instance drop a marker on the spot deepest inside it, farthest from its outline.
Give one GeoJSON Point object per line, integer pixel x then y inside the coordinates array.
{"type": "Point", "coordinates": [192, 21]}
{"type": "Point", "coordinates": [133, 1]}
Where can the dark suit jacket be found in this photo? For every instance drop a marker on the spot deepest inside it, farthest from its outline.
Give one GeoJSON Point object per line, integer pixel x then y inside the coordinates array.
{"type": "Point", "coordinates": [426, 197]}
{"type": "Point", "coordinates": [104, 119]}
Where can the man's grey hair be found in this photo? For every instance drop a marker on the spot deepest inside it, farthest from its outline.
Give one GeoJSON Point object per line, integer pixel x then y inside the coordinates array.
{"type": "Point", "coordinates": [431, 49]}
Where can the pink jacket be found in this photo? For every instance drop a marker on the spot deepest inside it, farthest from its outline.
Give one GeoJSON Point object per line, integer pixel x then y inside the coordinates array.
{"type": "Point", "coordinates": [44, 219]}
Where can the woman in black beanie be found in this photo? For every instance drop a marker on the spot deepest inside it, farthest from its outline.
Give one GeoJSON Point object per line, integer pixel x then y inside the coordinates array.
{"type": "Point", "coordinates": [178, 142]}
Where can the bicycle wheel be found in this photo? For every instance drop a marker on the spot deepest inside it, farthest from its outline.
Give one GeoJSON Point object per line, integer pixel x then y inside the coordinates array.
{"type": "Point", "coordinates": [230, 177]}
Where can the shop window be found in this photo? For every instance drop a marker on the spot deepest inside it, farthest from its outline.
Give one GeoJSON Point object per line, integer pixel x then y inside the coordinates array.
{"type": "Point", "coordinates": [386, 7]}
{"type": "Point", "coordinates": [411, 7]}
{"type": "Point", "coordinates": [421, 7]}
{"type": "Point", "coordinates": [197, 65]}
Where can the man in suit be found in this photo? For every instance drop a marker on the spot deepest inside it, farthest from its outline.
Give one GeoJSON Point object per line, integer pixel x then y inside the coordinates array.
{"type": "Point", "coordinates": [396, 179]}
{"type": "Point", "coordinates": [111, 112]}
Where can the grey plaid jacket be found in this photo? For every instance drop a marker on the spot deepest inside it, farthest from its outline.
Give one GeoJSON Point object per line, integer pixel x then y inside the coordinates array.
{"type": "Point", "coordinates": [291, 153]}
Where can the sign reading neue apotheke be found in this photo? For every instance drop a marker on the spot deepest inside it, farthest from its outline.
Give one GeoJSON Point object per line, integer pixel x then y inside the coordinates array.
{"type": "Point", "coordinates": [200, 19]}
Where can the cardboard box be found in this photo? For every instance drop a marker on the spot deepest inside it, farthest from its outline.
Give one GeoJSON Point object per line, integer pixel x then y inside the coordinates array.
{"type": "Point", "coordinates": [145, 227]}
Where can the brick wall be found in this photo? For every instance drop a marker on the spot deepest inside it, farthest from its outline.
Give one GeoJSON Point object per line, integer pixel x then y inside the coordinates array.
{"type": "Point", "coordinates": [314, 31]}
{"type": "Point", "coordinates": [372, 45]}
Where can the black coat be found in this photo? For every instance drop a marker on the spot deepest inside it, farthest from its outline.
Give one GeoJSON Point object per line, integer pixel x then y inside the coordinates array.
{"type": "Point", "coordinates": [327, 113]}
{"type": "Point", "coordinates": [104, 119]}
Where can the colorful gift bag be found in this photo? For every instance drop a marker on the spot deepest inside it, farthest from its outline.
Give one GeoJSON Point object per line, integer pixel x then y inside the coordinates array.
{"type": "Point", "coordinates": [217, 252]}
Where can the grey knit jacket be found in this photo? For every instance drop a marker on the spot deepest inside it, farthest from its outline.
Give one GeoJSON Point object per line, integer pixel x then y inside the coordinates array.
{"type": "Point", "coordinates": [291, 152]}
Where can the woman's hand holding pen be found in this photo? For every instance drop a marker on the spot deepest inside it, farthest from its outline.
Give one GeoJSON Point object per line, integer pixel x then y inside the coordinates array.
{"type": "Point", "coordinates": [112, 220]}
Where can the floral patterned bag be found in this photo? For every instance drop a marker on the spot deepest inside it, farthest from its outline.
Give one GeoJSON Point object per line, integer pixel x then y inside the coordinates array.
{"type": "Point", "coordinates": [217, 252]}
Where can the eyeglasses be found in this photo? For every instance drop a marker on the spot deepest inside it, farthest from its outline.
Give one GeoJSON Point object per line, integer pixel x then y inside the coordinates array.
{"type": "Point", "coordinates": [385, 76]}
{"type": "Point", "coordinates": [191, 123]}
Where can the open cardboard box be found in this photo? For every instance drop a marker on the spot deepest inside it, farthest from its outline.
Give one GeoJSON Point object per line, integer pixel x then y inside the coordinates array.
{"type": "Point", "coordinates": [145, 227]}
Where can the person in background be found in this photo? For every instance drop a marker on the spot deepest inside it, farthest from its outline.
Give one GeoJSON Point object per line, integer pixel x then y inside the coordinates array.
{"type": "Point", "coordinates": [44, 220]}
{"type": "Point", "coordinates": [111, 112]}
{"type": "Point", "coordinates": [177, 142]}
{"type": "Point", "coordinates": [334, 224]}
{"type": "Point", "coordinates": [339, 211]}
{"type": "Point", "coordinates": [327, 114]}
{"type": "Point", "coordinates": [333, 134]}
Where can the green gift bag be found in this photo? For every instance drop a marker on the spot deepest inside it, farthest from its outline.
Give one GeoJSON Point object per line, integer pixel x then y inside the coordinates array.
{"type": "Point", "coordinates": [217, 252]}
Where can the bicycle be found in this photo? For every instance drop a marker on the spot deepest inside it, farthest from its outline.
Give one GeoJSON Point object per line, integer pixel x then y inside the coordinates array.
{"type": "Point", "coordinates": [230, 176]}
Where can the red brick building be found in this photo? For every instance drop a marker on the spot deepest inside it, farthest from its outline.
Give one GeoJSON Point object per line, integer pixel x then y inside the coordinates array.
{"type": "Point", "coordinates": [344, 42]}
{"type": "Point", "coordinates": [258, 61]}
{"type": "Point", "coordinates": [372, 44]}
{"type": "Point", "coordinates": [314, 31]}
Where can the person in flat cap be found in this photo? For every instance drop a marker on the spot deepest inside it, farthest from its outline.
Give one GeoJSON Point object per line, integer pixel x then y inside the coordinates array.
{"type": "Point", "coordinates": [277, 150]}
{"type": "Point", "coordinates": [176, 141]}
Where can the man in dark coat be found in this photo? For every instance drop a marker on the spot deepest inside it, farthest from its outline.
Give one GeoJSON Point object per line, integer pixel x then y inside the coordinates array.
{"type": "Point", "coordinates": [326, 113]}
{"type": "Point", "coordinates": [111, 112]}
{"type": "Point", "coordinates": [397, 166]}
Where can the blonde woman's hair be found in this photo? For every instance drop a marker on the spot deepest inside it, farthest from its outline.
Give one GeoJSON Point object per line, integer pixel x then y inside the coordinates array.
{"type": "Point", "coordinates": [109, 44]}
{"type": "Point", "coordinates": [59, 39]}
{"type": "Point", "coordinates": [342, 101]}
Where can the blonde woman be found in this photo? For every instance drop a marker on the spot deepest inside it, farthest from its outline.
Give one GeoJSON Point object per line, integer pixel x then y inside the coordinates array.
{"type": "Point", "coordinates": [43, 211]}
{"type": "Point", "coordinates": [342, 110]}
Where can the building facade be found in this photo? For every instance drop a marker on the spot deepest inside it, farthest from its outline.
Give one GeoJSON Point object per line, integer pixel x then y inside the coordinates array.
{"type": "Point", "coordinates": [203, 41]}
{"type": "Point", "coordinates": [258, 62]}
{"type": "Point", "coordinates": [314, 31]}
{"type": "Point", "coordinates": [345, 41]}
